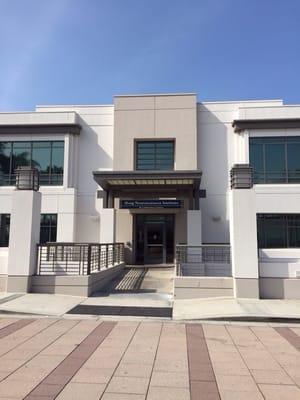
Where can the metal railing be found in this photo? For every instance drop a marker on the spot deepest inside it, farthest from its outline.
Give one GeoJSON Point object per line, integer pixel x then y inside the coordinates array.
{"type": "Point", "coordinates": [205, 260]}
{"type": "Point", "coordinates": [46, 179]}
{"type": "Point", "coordinates": [78, 258]}
{"type": "Point", "coordinates": [276, 177]}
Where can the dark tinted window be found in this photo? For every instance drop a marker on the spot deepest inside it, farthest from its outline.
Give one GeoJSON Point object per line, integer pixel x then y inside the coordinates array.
{"type": "Point", "coordinates": [275, 159]}
{"type": "Point", "coordinates": [4, 229]}
{"type": "Point", "coordinates": [48, 230]}
{"type": "Point", "coordinates": [278, 230]}
{"type": "Point", "coordinates": [47, 157]}
{"type": "Point", "coordinates": [155, 155]}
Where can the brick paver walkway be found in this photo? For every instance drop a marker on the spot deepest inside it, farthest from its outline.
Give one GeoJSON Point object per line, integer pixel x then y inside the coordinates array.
{"type": "Point", "coordinates": [91, 359]}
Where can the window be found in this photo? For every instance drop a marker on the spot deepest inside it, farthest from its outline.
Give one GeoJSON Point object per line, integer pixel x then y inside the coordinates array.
{"type": "Point", "coordinates": [154, 155]}
{"type": "Point", "coordinates": [47, 157]}
{"type": "Point", "coordinates": [275, 159]}
{"type": "Point", "coordinates": [278, 230]}
{"type": "Point", "coordinates": [4, 229]}
{"type": "Point", "coordinates": [48, 230]}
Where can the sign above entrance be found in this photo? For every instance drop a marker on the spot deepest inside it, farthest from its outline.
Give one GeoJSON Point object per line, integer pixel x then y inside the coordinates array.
{"type": "Point", "coordinates": [150, 204]}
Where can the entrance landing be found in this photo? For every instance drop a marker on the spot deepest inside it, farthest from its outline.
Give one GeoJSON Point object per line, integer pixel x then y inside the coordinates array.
{"type": "Point", "coordinates": [147, 291]}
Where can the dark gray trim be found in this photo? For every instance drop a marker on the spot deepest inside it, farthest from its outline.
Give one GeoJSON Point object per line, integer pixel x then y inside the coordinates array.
{"type": "Point", "coordinates": [49, 129]}
{"type": "Point", "coordinates": [102, 178]}
{"type": "Point", "coordinates": [275, 123]}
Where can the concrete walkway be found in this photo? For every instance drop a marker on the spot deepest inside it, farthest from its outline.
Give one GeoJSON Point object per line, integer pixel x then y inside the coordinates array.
{"type": "Point", "coordinates": [92, 359]}
{"type": "Point", "coordinates": [194, 309]}
{"type": "Point", "coordinates": [202, 309]}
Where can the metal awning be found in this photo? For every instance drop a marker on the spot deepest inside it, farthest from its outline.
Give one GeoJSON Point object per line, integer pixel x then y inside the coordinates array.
{"type": "Point", "coordinates": [118, 180]}
{"type": "Point", "coordinates": [274, 123]}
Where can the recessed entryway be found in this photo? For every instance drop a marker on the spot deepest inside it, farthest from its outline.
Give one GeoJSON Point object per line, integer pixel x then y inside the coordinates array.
{"type": "Point", "coordinates": [154, 238]}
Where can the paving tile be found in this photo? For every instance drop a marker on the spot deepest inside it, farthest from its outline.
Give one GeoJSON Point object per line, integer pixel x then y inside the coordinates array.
{"type": "Point", "coordinates": [170, 379]}
{"type": "Point", "coordinates": [171, 366]}
{"type": "Point", "coordinates": [238, 395]}
{"type": "Point", "coordinates": [289, 360]}
{"type": "Point", "coordinates": [93, 375]}
{"type": "Point", "coordinates": [221, 357]}
{"type": "Point", "coordinates": [203, 372]}
{"type": "Point", "coordinates": [236, 383]}
{"type": "Point", "coordinates": [161, 393]}
{"type": "Point", "coordinates": [9, 388]}
{"type": "Point", "coordinates": [29, 374]}
{"type": "Point", "coordinates": [46, 390]}
{"type": "Point", "coordinates": [96, 361]}
{"type": "Point", "coordinates": [204, 390]}
{"type": "Point", "coordinates": [231, 368]}
{"type": "Point", "coordinates": [130, 385]}
{"type": "Point", "coordinates": [280, 392]}
{"type": "Point", "coordinates": [290, 336]}
{"type": "Point", "coordinates": [272, 377]}
{"type": "Point", "coordinates": [138, 370]}
{"type": "Point", "coordinates": [122, 396]}
{"type": "Point", "coordinates": [80, 391]}
{"type": "Point", "coordinates": [259, 360]}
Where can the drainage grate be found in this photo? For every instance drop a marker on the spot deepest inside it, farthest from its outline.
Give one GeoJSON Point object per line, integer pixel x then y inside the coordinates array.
{"type": "Point", "coordinates": [162, 312]}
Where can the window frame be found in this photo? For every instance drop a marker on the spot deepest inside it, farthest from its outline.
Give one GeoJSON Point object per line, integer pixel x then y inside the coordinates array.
{"type": "Point", "coordinates": [288, 225]}
{"type": "Point", "coordinates": [286, 176]}
{"type": "Point", "coordinates": [49, 226]}
{"type": "Point", "coordinates": [3, 215]}
{"type": "Point", "coordinates": [155, 141]}
{"type": "Point", "coordinates": [46, 179]}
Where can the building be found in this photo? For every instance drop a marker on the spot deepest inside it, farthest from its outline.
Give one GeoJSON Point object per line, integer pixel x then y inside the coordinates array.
{"type": "Point", "coordinates": [155, 171]}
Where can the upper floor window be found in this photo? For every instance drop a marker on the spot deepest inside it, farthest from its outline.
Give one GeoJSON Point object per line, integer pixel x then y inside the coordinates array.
{"type": "Point", "coordinates": [46, 156]}
{"type": "Point", "coordinates": [154, 155]}
{"type": "Point", "coordinates": [275, 159]}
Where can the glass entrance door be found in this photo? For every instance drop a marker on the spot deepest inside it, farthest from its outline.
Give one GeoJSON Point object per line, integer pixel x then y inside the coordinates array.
{"type": "Point", "coordinates": [154, 238]}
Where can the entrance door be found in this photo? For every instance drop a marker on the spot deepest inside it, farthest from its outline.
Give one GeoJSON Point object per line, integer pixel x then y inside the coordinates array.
{"type": "Point", "coordinates": [155, 243]}
{"type": "Point", "coordinates": [154, 238]}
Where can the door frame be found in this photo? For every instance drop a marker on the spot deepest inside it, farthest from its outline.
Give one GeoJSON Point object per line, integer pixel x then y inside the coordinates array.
{"type": "Point", "coordinates": [135, 241]}
{"type": "Point", "coordinates": [164, 243]}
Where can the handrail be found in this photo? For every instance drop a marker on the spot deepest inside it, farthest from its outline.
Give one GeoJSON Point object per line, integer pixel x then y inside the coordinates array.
{"type": "Point", "coordinates": [67, 258]}
{"type": "Point", "coordinates": [203, 245]}
{"type": "Point", "coordinates": [203, 260]}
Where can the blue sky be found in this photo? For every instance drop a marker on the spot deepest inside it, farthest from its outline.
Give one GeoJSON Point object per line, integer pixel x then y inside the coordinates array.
{"type": "Point", "coordinates": [85, 51]}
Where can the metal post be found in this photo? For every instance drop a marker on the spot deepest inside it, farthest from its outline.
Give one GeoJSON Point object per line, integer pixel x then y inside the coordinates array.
{"type": "Point", "coordinates": [99, 257]}
{"type": "Point", "coordinates": [88, 270]}
{"type": "Point", "coordinates": [106, 258]}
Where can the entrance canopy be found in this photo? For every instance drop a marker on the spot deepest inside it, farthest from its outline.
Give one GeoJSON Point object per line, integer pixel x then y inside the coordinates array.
{"type": "Point", "coordinates": [161, 183]}
{"type": "Point", "coordinates": [118, 180]}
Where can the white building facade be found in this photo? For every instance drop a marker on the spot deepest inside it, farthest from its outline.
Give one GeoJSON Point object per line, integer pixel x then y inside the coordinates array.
{"type": "Point", "coordinates": [157, 171]}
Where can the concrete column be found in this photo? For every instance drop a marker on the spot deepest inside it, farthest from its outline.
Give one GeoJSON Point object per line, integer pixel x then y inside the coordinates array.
{"type": "Point", "coordinates": [243, 239]}
{"type": "Point", "coordinates": [66, 216]}
{"type": "Point", "coordinates": [194, 234]}
{"type": "Point", "coordinates": [107, 225]}
{"type": "Point", "coordinates": [23, 240]}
